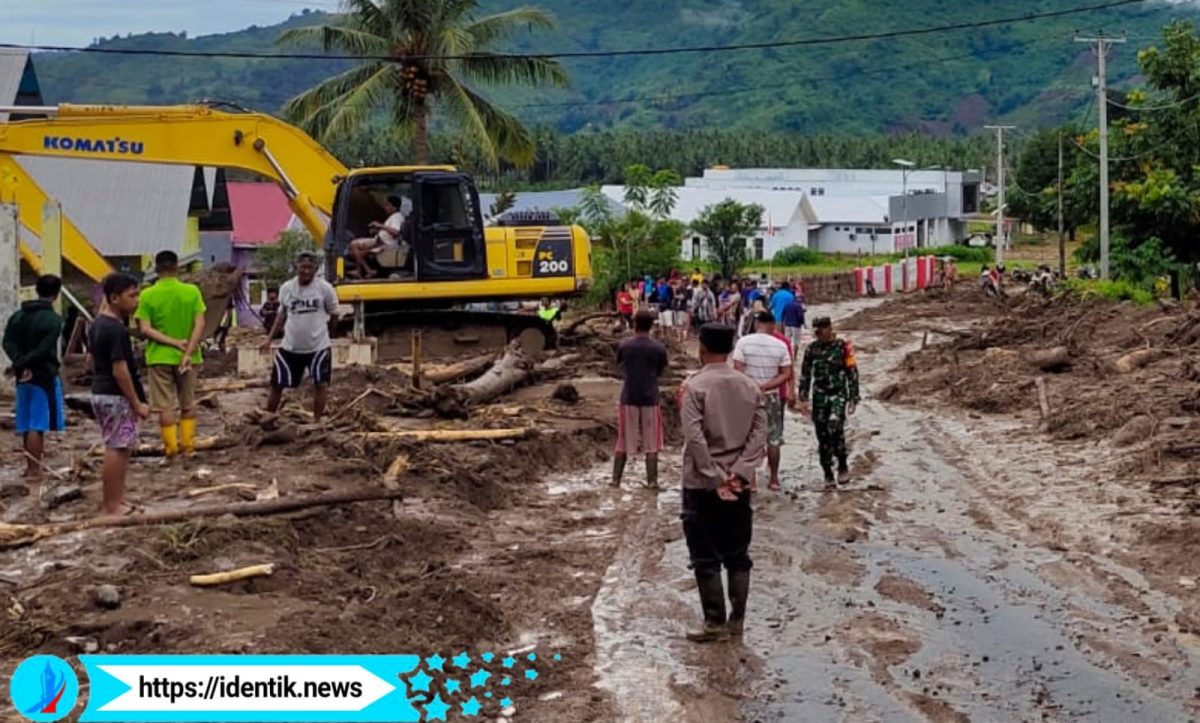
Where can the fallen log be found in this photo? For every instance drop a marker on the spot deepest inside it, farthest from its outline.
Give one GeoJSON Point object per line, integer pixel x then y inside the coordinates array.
{"type": "Point", "coordinates": [231, 386]}
{"type": "Point", "coordinates": [1043, 402]}
{"type": "Point", "coordinates": [450, 435]}
{"type": "Point", "coordinates": [224, 578]}
{"type": "Point", "coordinates": [1137, 359]}
{"type": "Point", "coordinates": [198, 491]}
{"type": "Point", "coordinates": [509, 372]}
{"type": "Point", "coordinates": [557, 364]}
{"type": "Point", "coordinates": [13, 535]}
{"type": "Point", "coordinates": [1049, 360]}
{"type": "Point", "coordinates": [461, 370]}
{"type": "Point", "coordinates": [203, 444]}
{"type": "Point", "coordinates": [569, 329]}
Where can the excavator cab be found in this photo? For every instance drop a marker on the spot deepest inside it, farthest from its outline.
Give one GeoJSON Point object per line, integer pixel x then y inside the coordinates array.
{"type": "Point", "coordinates": [440, 235]}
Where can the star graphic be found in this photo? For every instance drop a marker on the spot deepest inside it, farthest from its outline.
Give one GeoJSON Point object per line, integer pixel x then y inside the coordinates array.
{"type": "Point", "coordinates": [558, 656]}
{"type": "Point", "coordinates": [509, 662]}
{"type": "Point", "coordinates": [506, 702]}
{"type": "Point", "coordinates": [471, 707]}
{"type": "Point", "coordinates": [487, 657]}
{"type": "Point", "coordinates": [531, 674]}
{"type": "Point", "coordinates": [532, 657]}
{"type": "Point", "coordinates": [506, 680]}
{"type": "Point", "coordinates": [479, 678]}
{"type": "Point", "coordinates": [420, 681]}
{"type": "Point", "coordinates": [435, 662]}
{"type": "Point", "coordinates": [453, 686]}
{"type": "Point", "coordinates": [487, 694]}
{"type": "Point", "coordinates": [436, 709]}
{"type": "Point", "coordinates": [462, 660]}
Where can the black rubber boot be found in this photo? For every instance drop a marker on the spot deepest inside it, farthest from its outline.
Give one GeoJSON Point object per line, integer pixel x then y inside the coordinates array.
{"type": "Point", "coordinates": [830, 480]}
{"type": "Point", "coordinates": [843, 472]}
{"type": "Point", "coordinates": [739, 593]}
{"type": "Point", "coordinates": [618, 469]}
{"type": "Point", "coordinates": [712, 601]}
{"type": "Point", "coordinates": [652, 471]}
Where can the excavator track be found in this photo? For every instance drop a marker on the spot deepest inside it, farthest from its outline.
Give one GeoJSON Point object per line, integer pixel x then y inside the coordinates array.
{"type": "Point", "coordinates": [449, 333]}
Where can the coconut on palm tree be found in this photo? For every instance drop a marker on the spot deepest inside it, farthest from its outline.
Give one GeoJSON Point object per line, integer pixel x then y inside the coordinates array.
{"type": "Point", "coordinates": [419, 56]}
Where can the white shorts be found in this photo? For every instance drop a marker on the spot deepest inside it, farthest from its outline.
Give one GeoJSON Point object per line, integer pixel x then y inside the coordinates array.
{"type": "Point", "coordinates": [666, 318]}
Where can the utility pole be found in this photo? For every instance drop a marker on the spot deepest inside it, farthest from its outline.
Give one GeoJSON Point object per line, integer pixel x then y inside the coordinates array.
{"type": "Point", "coordinates": [1001, 241]}
{"type": "Point", "coordinates": [1062, 238]}
{"type": "Point", "coordinates": [1101, 45]}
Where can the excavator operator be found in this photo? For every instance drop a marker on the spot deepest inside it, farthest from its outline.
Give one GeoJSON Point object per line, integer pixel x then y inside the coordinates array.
{"type": "Point", "coordinates": [389, 234]}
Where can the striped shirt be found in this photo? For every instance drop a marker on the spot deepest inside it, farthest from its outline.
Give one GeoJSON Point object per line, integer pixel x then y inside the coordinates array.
{"type": "Point", "coordinates": [762, 354]}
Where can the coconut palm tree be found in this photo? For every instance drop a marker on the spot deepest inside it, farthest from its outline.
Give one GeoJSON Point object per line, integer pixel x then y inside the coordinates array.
{"type": "Point", "coordinates": [419, 56]}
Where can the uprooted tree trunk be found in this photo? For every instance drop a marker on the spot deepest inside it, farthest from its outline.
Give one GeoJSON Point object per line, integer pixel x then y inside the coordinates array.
{"type": "Point", "coordinates": [509, 372]}
{"type": "Point", "coordinates": [571, 328]}
{"type": "Point", "coordinates": [460, 370]}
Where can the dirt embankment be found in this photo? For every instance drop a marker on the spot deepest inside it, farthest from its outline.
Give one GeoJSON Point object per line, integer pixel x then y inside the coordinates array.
{"type": "Point", "coordinates": [475, 555]}
{"type": "Point", "coordinates": [1117, 381]}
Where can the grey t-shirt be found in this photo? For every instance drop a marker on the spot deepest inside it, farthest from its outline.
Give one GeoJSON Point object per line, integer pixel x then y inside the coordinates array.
{"type": "Point", "coordinates": [308, 310]}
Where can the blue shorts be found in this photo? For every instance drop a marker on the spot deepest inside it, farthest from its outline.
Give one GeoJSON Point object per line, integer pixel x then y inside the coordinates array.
{"type": "Point", "coordinates": [40, 407]}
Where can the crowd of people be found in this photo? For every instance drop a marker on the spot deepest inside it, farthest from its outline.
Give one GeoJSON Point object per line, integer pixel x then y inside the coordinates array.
{"type": "Point", "coordinates": [732, 413]}
{"type": "Point", "coordinates": [169, 316]}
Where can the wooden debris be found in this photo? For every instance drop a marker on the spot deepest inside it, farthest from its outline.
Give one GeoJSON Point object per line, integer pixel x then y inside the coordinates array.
{"type": "Point", "coordinates": [1137, 359]}
{"type": "Point", "coordinates": [1043, 402]}
{"type": "Point", "coordinates": [224, 578]}
{"type": "Point", "coordinates": [396, 469]}
{"type": "Point", "coordinates": [570, 329]}
{"type": "Point", "coordinates": [203, 444]}
{"type": "Point", "coordinates": [512, 370]}
{"type": "Point", "coordinates": [1049, 360]}
{"type": "Point", "coordinates": [226, 385]}
{"type": "Point", "coordinates": [15, 535]}
{"type": "Point", "coordinates": [199, 491]}
{"type": "Point", "coordinates": [461, 370]}
{"type": "Point", "coordinates": [450, 435]}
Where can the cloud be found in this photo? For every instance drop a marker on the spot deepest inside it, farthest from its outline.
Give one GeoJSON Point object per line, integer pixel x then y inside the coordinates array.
{"type": "Point", "coordinates": [79, 22]}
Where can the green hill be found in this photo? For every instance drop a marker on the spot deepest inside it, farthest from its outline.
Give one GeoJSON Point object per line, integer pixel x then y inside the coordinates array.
{"type": "Point", "coordinates": [1030, 73]}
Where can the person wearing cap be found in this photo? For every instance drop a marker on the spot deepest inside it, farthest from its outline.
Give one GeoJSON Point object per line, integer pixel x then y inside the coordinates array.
{"type": "Point", "coordinates": [725, 430]}
{"type": "Point", "coordinates": [387, 235]}
{"type": "Point", "coordinates": [830, 371]}
{"type": "Point", "coordinates": [767, 360]}
{"type": "Point", "coordinates": [307, 310]}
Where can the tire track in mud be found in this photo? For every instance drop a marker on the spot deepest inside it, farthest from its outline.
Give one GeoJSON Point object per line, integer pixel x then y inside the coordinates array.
{"type": "Point", "coordinates": [963, 576]}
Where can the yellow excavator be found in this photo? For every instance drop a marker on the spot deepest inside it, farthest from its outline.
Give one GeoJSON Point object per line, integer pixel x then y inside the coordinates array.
{"type": "Point", "coordinates": [450, 258]}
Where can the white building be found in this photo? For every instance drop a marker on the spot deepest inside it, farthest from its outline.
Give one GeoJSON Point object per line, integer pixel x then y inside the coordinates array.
{"type": "Point", "coordinates": [784, 222]}
{"type": "Point", "coordinates": [865, 210]}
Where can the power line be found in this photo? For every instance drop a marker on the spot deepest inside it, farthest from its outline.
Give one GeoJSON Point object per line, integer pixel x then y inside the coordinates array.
{"type": "Point", "coordinates": [832, 40]}
{"type": "Point", "coordinates": [1164, 106]}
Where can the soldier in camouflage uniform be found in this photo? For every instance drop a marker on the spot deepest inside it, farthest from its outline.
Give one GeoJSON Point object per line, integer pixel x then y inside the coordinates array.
{"type": "Point", "coordinates": [831, 371]}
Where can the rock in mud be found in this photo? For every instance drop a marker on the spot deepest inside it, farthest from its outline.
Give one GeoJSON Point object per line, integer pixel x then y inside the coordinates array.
{"type": "Point", "coordinates": [63, 494]}
{"type": "Point", "coordinates": [1135, 430]}
{"type": "Point", "coordinates": [12, 490]}
{"type": "Point", "coordinates": [566, 393]}
{"type": "Point", "coordinates": [107, 597]}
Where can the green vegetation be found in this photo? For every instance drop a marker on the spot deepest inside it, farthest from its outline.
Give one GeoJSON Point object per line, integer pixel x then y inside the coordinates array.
{"type": "Point", "coordinates": [726, 226]}
{"type": "Point", "coordinates": [1119, 290]}
{"type": "Point", "coordinates": [798, 260]}
{"type": "Point", "coordinates": [940, 83]}
{"type": "Point", "coordinates": [415, 34]}
{"type": "Point", "coordinates": [275, 262]}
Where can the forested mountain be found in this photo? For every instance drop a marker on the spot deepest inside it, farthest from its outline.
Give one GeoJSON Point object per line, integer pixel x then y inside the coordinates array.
{"type": "Point", "coordinates": [949, 82]}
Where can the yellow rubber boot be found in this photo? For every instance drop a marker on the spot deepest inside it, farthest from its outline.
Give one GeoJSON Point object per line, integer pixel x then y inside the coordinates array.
{"type": "Point", "coordinates": [187, 436]}
{"type": "Point", "coordinates": [170, 438]}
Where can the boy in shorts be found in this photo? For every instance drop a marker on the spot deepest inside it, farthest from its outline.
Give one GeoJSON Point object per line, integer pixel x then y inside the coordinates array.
{"type": "Point", "coordinates": [118, 398]}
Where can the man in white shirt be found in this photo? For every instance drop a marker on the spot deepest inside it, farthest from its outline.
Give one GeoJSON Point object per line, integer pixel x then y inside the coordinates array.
{"type": "Point", "coordinates": [387, 235]}
{"type": "Point", "coordinates": [765, 359]}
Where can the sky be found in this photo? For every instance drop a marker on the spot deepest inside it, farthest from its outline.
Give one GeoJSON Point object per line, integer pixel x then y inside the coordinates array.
{"type": "Point", "coordinates": [79, 22]}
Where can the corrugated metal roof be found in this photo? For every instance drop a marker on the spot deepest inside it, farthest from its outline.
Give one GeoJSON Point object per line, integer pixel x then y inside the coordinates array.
{"type": "Point", "coordinates": [12, 68]}
{"type": "Point", "coordinates": [778, 206]}
{"type": "Point", "coordinates": [124, 209]}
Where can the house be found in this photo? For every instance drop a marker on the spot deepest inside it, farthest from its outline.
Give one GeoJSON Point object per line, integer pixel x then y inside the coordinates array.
{"type": "Point", "coordinates": [129, 211]}
{"type": "Point", "coordinates": [783, 222]}
{"type": "Point", "coordinates": [259, 213]}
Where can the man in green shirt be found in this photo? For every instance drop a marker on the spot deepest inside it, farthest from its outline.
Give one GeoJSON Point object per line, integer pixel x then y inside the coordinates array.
{"type": "Point", "coordinates": [170, 315]}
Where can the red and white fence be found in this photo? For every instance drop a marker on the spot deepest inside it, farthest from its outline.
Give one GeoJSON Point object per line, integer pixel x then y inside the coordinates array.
{"type": "Point", "coordinates": [911, 274]}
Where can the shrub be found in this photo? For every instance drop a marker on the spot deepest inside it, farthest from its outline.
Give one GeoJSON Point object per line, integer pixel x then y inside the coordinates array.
{"type": "Point", "coordinates": [1119, 290]}
{"type": "Point", "coordinates": [797, 256]}
{"type": "Point", "coordinates": [961, 253]}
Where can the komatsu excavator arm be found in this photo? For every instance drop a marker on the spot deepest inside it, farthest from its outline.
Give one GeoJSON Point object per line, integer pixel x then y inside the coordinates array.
{"type": "Point", "coordinates": [193, 135]}
{"type": "Point", "coordinates": [17, 186]}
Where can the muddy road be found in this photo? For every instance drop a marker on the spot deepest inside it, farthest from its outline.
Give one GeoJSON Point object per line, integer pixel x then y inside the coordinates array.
{"type": "Point", "coordinates": [972, 571]}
